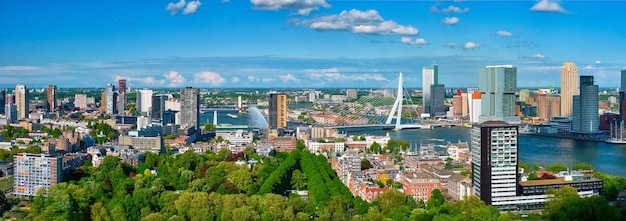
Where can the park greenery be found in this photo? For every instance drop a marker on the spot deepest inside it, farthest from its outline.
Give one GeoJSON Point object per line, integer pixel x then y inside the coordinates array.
{"type": "Point", "coordinates": [212, 186]}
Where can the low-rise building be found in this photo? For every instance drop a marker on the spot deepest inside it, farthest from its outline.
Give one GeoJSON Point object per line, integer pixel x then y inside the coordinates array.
{"type": "Point", "coordinates": [460, 187]}
{"type": "Point", "coordinates": [144, 144]}
{"type": "Point", "coordinates": [319, 147]}
{"type": "Point", "coordinates": [419, 185]}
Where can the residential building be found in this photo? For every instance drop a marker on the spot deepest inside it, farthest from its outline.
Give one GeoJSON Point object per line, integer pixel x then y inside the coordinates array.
{"type": "Point", "coordinates": [190, 107]}
{"type": "Point", "coordinates": [22, 101]}
{"type": "Point", "coordinates": [52, 97]}
{"type": "Point", "coordinates": [283, 143]}
{"type": "Point", "coordinates": [321, 147]}
{"type": "Point", "coordinates": [80, 101]}
{"type": "Point", "coordinates": [351, 93]}
{"type": "Point", "coordinates": [430, 76]}
{"type": "Point", "coordinates": [457, 105]}
{"type": "Point", "coordinates": [41, 171]}
{"type": "Point", "coordinates": [585, 117]}
{"type": "Point", "coordinates": [475, 106]}
{"type": "Point", "coordinates": [465, 104]}
{"type": "Point", "coordinates": [419, 186]}
{"type": "Point", "coordinates": [498, 85]}
{"type": "Point", "coordinates": [121, 90]}
{"type": "Point", "coordinates": [460, 187]}
{"type": "Point", "coordinates": [277, 111]}
{"type": "Point", "coordinates": [548, 106]}
{"type": "Point", "coordinates": [569, 87]}
{"type": "Point", "coordinates": [144, 144]}
{"type": "Point", "coordinates": [494, 161]}
{"type": "Point", "coordinates": [3, 100]}
{"type": "Point", "coordinates": [144, 101]}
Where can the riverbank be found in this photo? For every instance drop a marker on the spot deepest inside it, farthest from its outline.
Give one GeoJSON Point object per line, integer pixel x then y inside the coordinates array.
{"type": "Point", "coordinates": [600, 138]}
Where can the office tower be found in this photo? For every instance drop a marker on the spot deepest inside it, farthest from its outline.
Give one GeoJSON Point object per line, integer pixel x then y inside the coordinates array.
{"type": "Point", "coordinates": [277, 111]}
{"type": "Point", "coordinates": [498, 85]}
{"type": "Point", "coordinates": [158, 106]}
{"type": "Point", "coordinates": [457, 104]}
{"type": "Point", "coordinates": [52, 97]}
{"type": "Point", "coordinates": [548, 106]}
{"type": "Point", "coordinates": [494, 161]}
{"type": "Point", "coordinates": [35, 171]}
{"type": "Point", "coordinates": [476, 106]}
{"type": "Point", "coordinates": [144, 101]}
{"type": "Point", "coordinates": [10, 99]}
{"type": "Point", "coordinates": [622, 96]}
{"type": "Point", "coordinates": [121, 90]}
{"type": "Point", "coordinates": [465, 105]}
{"type": "Point", "coordinates": [190, 107]}
{"type": "Point", "coordinates": [3, 96]}
{"type": "Point", "coordinates": [585, 107]}
{"type": "Point", "coordinates": [21, 100]}
{"type": "Point", "coordinates": [351, 93]}
{"type": "Point", "coordinates": [437, 100]}
{"type": "Point", "coordinates": [10, 112]}
{"type": "Point", "coordinates": [569, 87]}
{"type": "Point", "coordinates": [103, 102]}
{"type": "Point", "coordinates": [110, 99]}
{"type": "Point", "coordinates": [430, 76]}
{"type": "Point", "coordinates": [80, 101]}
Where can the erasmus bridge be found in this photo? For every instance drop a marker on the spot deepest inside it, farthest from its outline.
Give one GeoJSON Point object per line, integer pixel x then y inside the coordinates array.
{"type": "Point", "coordinates": [377, 112]}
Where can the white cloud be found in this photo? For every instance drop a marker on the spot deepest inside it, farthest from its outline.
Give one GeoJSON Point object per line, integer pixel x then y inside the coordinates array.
{"type": "Point", "coordinates": [188, 8]}
{"type": "Point", "coordinates": [548, 6]}
{"type": "Point", "coordinates": [543, 68]}
{"type": "Point", "coordinates": [18, 68]}
{"type": "Point", "coordinates": [192, 7]}
{"type": "Point", "coordinates": [235, 80]}
{"type": "Point", "coordinates": [359, 22]}
{"type": "Point", "coordinates": [174, 79]}
{"type": "Point", "coordinates": [450, 20]}
{"type": "Point", "coordinates": [332, 74]}
{"type": "Point", "coordinates": [450, 45]}
{"type": "Point", "coordinates": [256, 79]}
{"type": "Point", "coordinates": [598, 62]}
{"type": "Point", "coordinates": [288, 77]}
{"type": "Point", "coordinates": [151, 81]}
{"type": "Point", "coordinates": [175, 7]}
{"type": "Point", "coordinates": [455, 9]}
{"type": "Point", "coordinates": [538, 56]}
{"type": "Point", "coordinates": [504, 33]}
{"type": "Point", "coordinates": [304, 7]}
{"type": "Point", "coordinates": [471, 45]}
{"type": "Point", "coordinates": [417, 41]}
{"type": "Point", "coordinates": [209, 77]}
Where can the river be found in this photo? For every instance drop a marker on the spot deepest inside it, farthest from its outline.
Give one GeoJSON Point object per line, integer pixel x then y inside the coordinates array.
{"type": "Point", "coordinates": [607, 158]}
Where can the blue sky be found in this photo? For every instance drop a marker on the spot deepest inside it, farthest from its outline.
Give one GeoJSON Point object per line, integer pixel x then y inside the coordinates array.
{"type": "Point", "coordinates": [304, 43]}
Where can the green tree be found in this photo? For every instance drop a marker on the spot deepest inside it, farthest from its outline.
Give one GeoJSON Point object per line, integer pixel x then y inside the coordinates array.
{"type": "Point", "coordinates": [298, 180]}
{"type": "Point", "coordinates": [366, 164]}
{"type": "Point", "coordinates": [209, 127]}
{"type": "Point", "coordinates": [436, 199]}
{"type": "Point", "coordinates": [582, 166]}
{"type": "Point", "coordinates": [557, 167]}
{"type": "Point", "coordinates": [375, 148]}
{"type": "Point", "coordinates": [532, 176]}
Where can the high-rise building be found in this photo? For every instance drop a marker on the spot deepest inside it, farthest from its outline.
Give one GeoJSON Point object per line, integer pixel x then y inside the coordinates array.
{"type": "Point", "coordinates": [10, 110]}
{"type": "Point", "coordinates": [548, 106]}
{"type": "Point", "coordinates": [80, 101]}
{"type": "Point", "coordinates": [351, 93]}
{"type": "Point", "coordinates": [494, 161]}
{"type": "Point", "coordinates": [569, 87]}
{"type": "Point", "coordinates": [498, 85]}
{"type": "Point", "coordinates": [277, 105]}
{"type": "Point", "coordinates": [22, 100]}
{"type": "Point", "coordinates": [430, 76]}
{"type": "Point", "coordinates": [121, 98]}
{"type": "Point", "coordinates": [465, 105]}
{"type": "Point", "coordinates": [35, 171]}
{"type": "Point", "coordinates": [3, 96]}
{"type": "Point", "coordinates": [52, 97]}
{"type": "Point", "coordinates": [475, 106]}
{"type": "Point", "coordinates": [158, 106]}
{"type": "Point", "coordinates": [437, 100]}
{"type": "Point", "coordinates": [103, 102]}
{"type": "Point", "coordinates": [190, 107]}
{"type": "Point", "coordinates": [144, 101]}
{"type": "Point", "coordinates": [457, 105]}
{"type": "Point", "coordinates": [110, 99]}
{"type": "Point", "coordinates": [622, 96]}
{"type": "Point", "coordinates": [585, 118]}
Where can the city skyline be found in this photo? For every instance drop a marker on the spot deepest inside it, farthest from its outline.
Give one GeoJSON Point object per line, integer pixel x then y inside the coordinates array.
{"type": "Point", "coordinates": [258, 43]}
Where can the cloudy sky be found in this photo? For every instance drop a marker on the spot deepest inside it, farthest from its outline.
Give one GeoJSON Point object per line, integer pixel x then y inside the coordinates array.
{"type": "Point", "coordinates": [304, 43]}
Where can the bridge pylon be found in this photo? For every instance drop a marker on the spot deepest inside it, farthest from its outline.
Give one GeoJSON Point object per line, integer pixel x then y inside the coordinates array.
{"type": "Point", "coordinates": [397, 106]}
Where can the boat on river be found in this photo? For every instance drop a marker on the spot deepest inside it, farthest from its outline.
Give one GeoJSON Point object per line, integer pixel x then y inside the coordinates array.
{"type": "Point", "coordinates": [617, 133]}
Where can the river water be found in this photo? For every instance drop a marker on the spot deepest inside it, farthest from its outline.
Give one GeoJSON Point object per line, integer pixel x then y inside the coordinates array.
{"type": "Point", "coordinates": [607, 158]}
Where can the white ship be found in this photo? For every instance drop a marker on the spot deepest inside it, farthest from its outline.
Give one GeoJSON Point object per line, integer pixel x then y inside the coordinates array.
{"type": "Point", "coordinates": [232, 115]}
{"type": "Point", "coordinates": [617, 133]}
